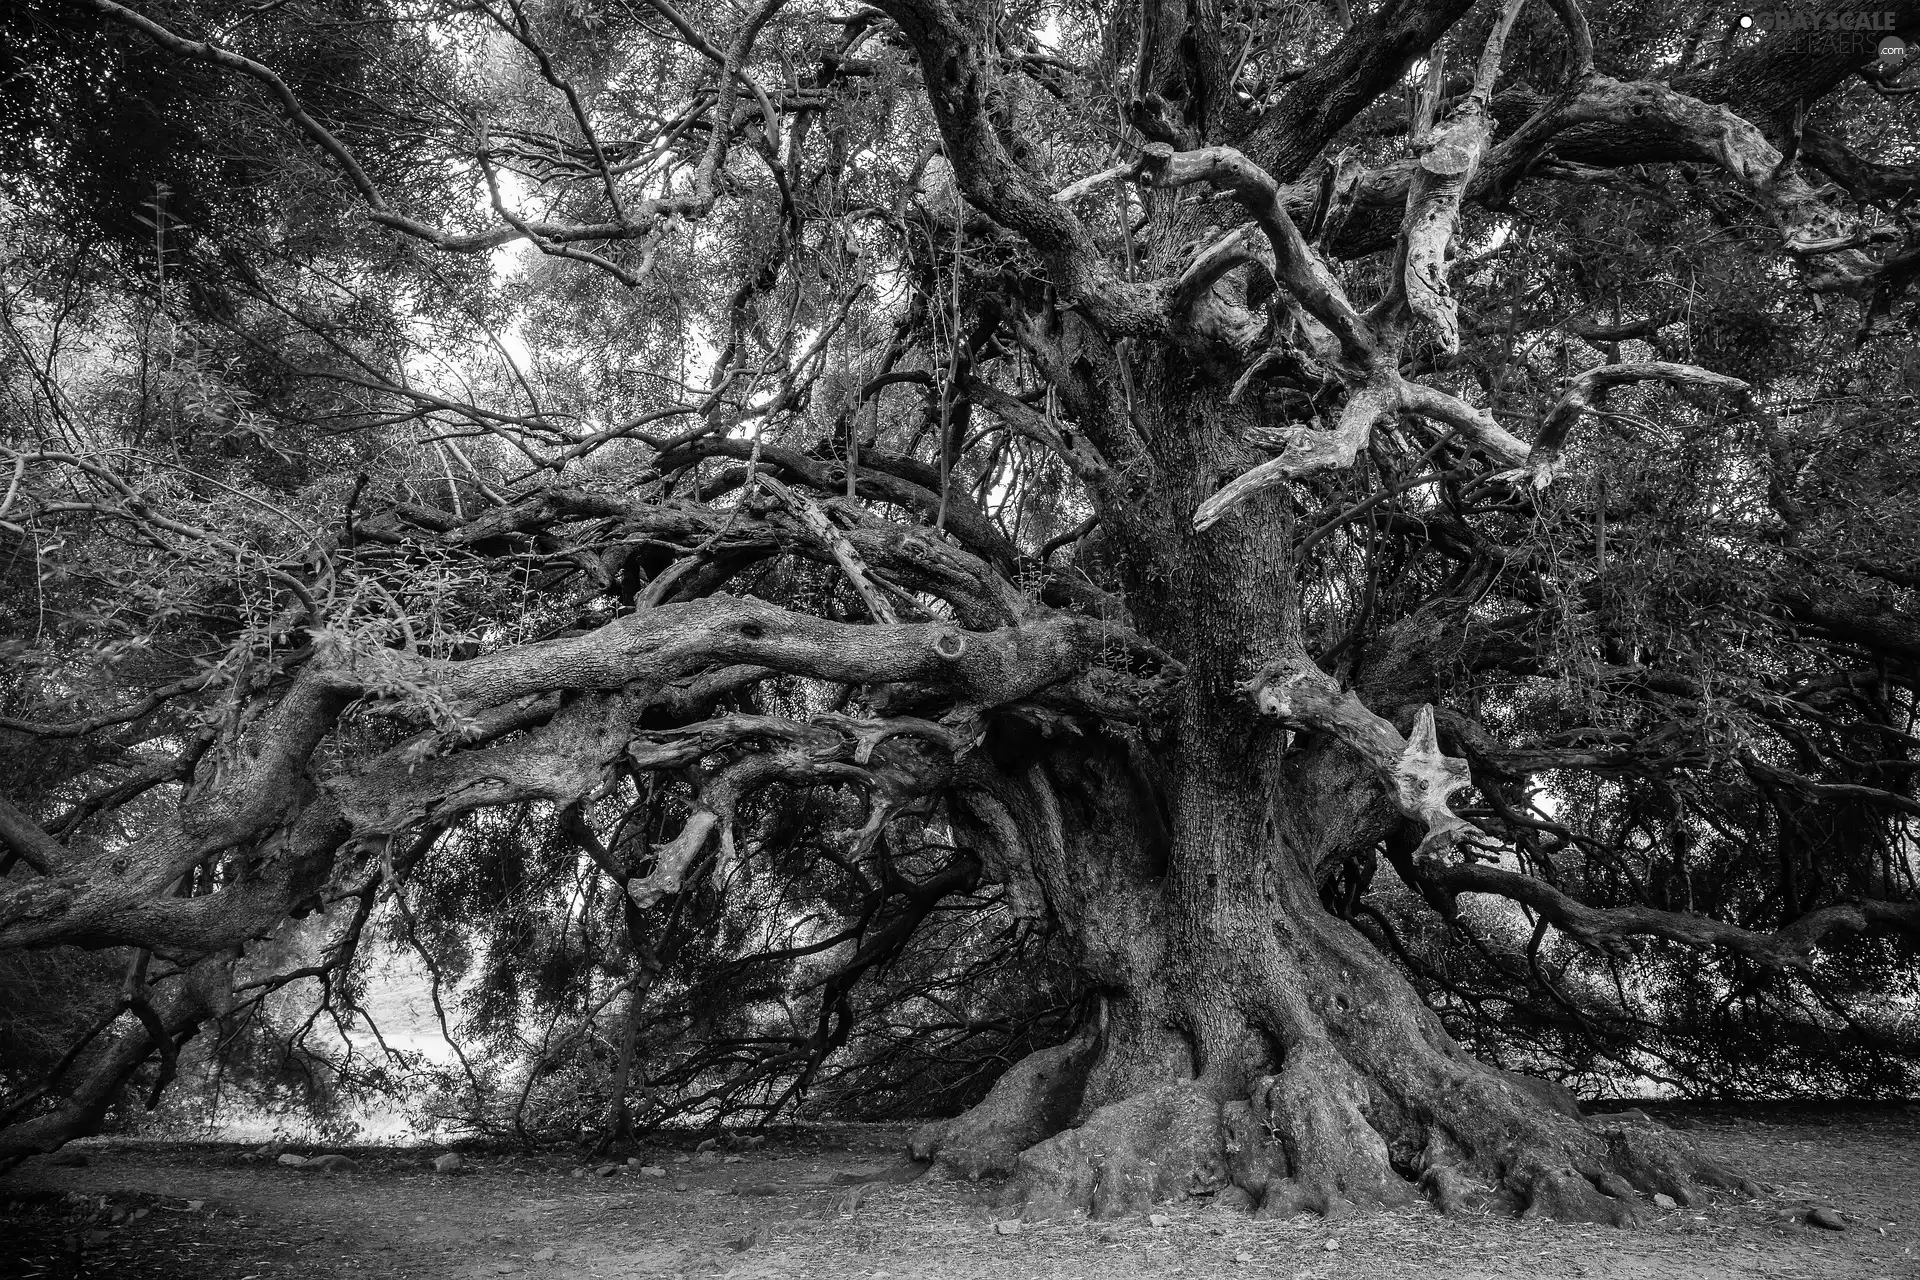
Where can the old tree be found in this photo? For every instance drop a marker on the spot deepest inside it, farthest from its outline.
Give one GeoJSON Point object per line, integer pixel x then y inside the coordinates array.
{"type": "Point", "coordinates": [1369, 527]}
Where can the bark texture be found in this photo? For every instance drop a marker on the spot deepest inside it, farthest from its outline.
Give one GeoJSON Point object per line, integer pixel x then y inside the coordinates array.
{"type": "Point", "coordinates": [1129, 725]}
{"type": "Point", "coordinates": [1250, 1047]}
{"type": "Point", "coordinates": [1253, 1050]}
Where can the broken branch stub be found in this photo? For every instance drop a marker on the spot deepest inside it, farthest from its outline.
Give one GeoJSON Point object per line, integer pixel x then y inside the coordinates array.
{"type": "Point", "coordinates": [1424, 780]}
{"type": "Point", "coordinates": [1418, 775]}
{"type": "Point", "coordinates": [1308, 451]}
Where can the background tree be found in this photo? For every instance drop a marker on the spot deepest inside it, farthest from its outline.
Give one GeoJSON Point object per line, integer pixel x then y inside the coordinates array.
{"type": "Point", "coordinates": [1369, 529]}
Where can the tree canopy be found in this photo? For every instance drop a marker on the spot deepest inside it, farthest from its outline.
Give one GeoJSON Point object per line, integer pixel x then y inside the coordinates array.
{"type": "Point", "coordinates": [1285, 569]}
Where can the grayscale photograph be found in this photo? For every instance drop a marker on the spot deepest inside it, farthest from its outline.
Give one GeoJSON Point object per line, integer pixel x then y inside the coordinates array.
{"type": "Point", "coordinates": [932, 639]}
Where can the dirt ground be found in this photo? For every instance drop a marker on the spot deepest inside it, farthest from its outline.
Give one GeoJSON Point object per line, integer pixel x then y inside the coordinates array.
{"type": "Point", "coordinates": [842, 1203]}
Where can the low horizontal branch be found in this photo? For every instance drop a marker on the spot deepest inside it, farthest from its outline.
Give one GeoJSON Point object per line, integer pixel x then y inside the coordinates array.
{"type": "Point", "coordinates": [1610, 929]}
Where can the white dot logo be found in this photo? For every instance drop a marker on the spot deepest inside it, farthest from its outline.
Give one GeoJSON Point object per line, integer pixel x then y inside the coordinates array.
{"type": "Point", "coordinates": [1893, 52]}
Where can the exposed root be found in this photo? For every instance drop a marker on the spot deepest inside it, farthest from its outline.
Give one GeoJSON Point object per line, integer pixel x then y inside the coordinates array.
{"type": "Point", "coordinates": [1372, 1106]}
{"type": "Point", "coordinates": [1659, 1162]}
{"type": "Point", "coordinates": [1567, 1195]}
{"type": "Point", "coordinates": [1552, 1096]}
{"type": "Point", "coordinates": [1313, 1139]}
{"type": "Point", "coordinates": [1304, 1143]}
{"type": "Point", "coordinates": [1127, 1157]}
{"type": "Point", "coordinates": [1032, 1101]}
{"type": "Point", "coordinates": [1592, 1172]}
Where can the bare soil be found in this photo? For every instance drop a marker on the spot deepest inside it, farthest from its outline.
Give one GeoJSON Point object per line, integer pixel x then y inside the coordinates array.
{"type": "Point", "coordinates": [842, 1202]}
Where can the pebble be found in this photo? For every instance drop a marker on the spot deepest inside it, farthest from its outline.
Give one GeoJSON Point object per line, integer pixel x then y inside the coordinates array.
{"type": "Point", "coordinates": [606, 1171]}
{"type": "Point", "coordinates": [545, 1255]}
{"type": "Point", "coordinates": [448, 1163]}
{"type": "Point", "coordinates": [579, 1173]}
{"type": "Point", "coordinates": [1664, 1201]}
{"type": "Point", "coordinates": [292, 1161]}
{"type": "Point", "coordinates": [1159, 1220]}
{"type": "Point", "coordinates": [1007, 1227]}
{"type": "Point", "coordinates": [652, 1171]}
{"type": "Point", "coordinates": [1825, 1217]}
{"type": "Point", "coordinates": [1333, 1246]}
{"type": "Point", "coordinates": [1243, 1257]}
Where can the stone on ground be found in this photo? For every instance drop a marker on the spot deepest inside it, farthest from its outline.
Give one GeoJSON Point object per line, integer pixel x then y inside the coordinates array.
{"type": "Point", "coordinates": [1664, 1201]}
{"type": "Point", "coordinates": [1007, 1227]}
{"type": "Point", "coordinates": [448, 1163]}
{"type": "Point", "coordinates": [293, 1161]}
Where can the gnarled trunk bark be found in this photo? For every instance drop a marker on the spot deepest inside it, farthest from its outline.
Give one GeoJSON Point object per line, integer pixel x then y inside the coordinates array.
{"type": "Point", "coordinates": [1250, 1046]}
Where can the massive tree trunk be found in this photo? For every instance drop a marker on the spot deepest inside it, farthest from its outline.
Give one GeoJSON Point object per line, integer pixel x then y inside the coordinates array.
{"type": "Point", "coordinates": [1148, 755]}
{"type": "Point", "coordinates": [1249, 1046]}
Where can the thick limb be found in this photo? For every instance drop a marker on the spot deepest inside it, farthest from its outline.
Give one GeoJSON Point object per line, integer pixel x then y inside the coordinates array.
{"type": "Point", "coordinates": [201, 993]}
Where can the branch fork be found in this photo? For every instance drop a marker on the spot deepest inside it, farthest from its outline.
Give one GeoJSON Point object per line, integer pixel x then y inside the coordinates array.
{"type": "Point", "coordinates": [1419, 777]}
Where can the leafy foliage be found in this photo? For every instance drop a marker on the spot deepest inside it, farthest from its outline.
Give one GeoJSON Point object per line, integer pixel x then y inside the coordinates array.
{"type": "Point", "coordinates": [613, 300]}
